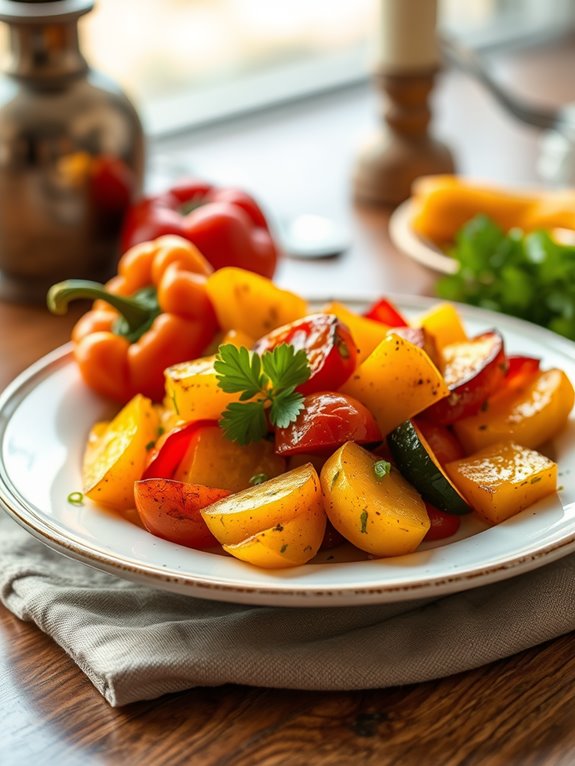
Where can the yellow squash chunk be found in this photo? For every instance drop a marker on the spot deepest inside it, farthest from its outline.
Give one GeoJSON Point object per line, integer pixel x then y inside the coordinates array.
{"type": "Point", "coordinates": [529, 415]}
{"type": "Point", "coordinates": [383, 516]}
{"type": "Point", "coordinates": [238, 338]}
{"type": "Point", "coordinates": [366, 333]}
{"type": "Point", "coordinates": [215, 461]}
{"type": "Point", "coordinates": [443, 204]}
{"type": "Point", "coordinates": [93, 443]}
{"type": "Point", "coordinates": [289, 544]}
{"type": "Point", "coordinates": [444, 324]}
{"type": "Point", "coordinates": [555, 209]}
{"type": "Point", "coordinates": [503, 479]}
{"type": "Point", "coordinates": [397, 381]}
{"type": "Point", "coordinates": [250, 303]}
{"type": "Point", "coordinates": [277, 501]}
{"type": "Point", "coordinates": [234, 337]}
{"type": "Point", "coordinates": [192, 390]}
{"type": "Point", "coordinates": [117, 452]}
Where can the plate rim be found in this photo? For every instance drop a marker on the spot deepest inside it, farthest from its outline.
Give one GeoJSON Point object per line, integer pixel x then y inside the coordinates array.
{"type": "Point", "coordinates": [283, 594]}
{"type": "Point", "coordinates": [412, 245]}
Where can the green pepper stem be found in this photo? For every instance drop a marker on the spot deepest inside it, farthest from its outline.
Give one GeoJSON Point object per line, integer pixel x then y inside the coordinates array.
{"type": "Point", "coordinates": [135, 311]}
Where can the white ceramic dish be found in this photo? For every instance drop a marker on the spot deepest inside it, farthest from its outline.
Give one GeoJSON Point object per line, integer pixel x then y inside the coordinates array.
{"type": "Point", "coordinates": [45, 415]}
{"type": "Point", "coordinates": [413, 246]}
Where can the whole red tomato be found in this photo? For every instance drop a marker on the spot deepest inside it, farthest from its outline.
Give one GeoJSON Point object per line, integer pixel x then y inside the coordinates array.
{"type": "Point", "coordinates": [227, 225]}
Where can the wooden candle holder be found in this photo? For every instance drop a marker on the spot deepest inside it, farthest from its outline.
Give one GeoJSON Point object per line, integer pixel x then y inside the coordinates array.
{"type": "Point", "coordinates": [402, 149]}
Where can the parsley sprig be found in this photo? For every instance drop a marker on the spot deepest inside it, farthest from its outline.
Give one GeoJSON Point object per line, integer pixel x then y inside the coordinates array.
{"type": "Point", "coordinates": [531, 275]}
{"type": "Point", "coordinates": [267, 387]}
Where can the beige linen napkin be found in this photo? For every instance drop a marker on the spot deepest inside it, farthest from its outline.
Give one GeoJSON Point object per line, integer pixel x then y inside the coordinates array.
{"type": "Point", "coordinates": [137, 643]}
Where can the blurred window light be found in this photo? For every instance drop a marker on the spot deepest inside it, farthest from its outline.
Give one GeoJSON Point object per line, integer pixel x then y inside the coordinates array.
{"type": "Point", "coordinates": [190, 62]}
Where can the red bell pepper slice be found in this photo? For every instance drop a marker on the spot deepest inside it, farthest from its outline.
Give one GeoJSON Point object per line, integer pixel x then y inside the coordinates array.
{"type": "Point", "coordinates": [385, 312]}
{"type": "Point", "coordinates": [329, 346]}
{"type": "Point", "coordinates": [168, 452]}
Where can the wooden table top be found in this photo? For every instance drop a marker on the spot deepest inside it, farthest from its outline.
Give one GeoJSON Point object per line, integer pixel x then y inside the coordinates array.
{"type": "Point", "coordinates": [516, 711]}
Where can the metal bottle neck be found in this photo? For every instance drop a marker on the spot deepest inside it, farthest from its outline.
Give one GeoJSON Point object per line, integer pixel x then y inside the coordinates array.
{"type": "Point", "coordinates": [43, 38]}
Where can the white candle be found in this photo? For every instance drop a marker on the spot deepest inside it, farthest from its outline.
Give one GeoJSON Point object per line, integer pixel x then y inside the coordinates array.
{"type": "Point", "coordinates": [407, 38]}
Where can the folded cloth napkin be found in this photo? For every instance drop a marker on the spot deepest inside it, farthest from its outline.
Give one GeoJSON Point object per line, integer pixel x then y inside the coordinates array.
{"type": "Point", "coordinates": [137, 643]}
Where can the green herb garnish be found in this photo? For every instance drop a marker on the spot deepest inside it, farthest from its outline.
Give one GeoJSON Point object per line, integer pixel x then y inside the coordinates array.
{"type": "Point", "coordinates": [530, 276]}
{"type": "Point", "coordinates": [267, 387]}
{"type": "Point", "coordinates": [75, 498]}
{"type": "Point", "coordinates": [258, 478]}
{"type": "Point", "coordinates": [381, 468]}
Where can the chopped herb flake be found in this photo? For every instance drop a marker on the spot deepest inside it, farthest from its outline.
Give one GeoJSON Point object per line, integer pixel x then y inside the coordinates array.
{"type": "Point", "coordinates": [258, 478]}
{"type": "Point", "coordinates": [381, 468]}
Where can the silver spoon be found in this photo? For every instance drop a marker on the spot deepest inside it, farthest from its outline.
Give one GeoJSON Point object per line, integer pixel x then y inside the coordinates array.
{"type": "Point", "coordinates": [309, 236]}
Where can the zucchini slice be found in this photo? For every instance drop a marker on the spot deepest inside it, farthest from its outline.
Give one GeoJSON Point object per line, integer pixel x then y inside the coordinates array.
{"type": "Point", "coordinates": [416, 461]}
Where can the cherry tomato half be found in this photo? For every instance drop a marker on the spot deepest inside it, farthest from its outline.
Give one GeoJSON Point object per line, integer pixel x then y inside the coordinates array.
{"type": "Point", "coordinates": [473, 370]}
{"type": "Point", "coordinates": [171, 510]}
{"type": "Point", "coordinates": [442, 524]}
{"type": "Point", "coordinates": [329, 346]}
{"type": "Point", "coordinates": [326, 422]}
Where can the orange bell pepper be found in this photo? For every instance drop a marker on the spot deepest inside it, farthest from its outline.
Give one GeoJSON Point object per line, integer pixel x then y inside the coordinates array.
{"type": "Point", "coordinates": [154, 313]}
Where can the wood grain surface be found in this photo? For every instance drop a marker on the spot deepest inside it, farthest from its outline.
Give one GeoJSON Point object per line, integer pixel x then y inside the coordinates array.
{"type": "Point", "coordinates": [516, 712]}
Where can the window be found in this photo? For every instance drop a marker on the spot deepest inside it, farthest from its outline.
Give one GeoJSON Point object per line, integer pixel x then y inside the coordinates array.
{"type": "Point", "coordinates": [187, 62]}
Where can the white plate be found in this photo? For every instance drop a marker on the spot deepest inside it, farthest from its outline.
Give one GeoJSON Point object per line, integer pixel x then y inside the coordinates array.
{"type": "Point", "coordinates": [411, 244]}
{"type": "Point", "coordinates": [45, 416]}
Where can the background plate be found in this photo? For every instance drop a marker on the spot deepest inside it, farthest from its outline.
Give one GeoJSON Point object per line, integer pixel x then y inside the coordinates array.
{"type": "Point", "coordinates": [45, 416]}
{"type": "Point", "coordinates": [411, 244]}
